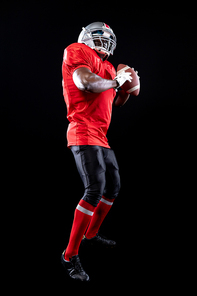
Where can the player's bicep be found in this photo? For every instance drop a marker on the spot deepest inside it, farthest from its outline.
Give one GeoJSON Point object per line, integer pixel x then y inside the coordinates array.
{"type": "Point", "coordinates": [81, 78]}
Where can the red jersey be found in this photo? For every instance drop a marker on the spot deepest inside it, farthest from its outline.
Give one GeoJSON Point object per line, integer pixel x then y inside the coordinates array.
{"type": "Point", "coordinates": [89, 114]}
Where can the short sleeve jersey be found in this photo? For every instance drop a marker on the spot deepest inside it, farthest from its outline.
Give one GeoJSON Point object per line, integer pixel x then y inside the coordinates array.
{"type": "Point", "coordinates": [89, 114]}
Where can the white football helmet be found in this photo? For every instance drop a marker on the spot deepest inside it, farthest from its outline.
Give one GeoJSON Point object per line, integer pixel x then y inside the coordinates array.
{"type": "Point", "coordinates": [100, 37]}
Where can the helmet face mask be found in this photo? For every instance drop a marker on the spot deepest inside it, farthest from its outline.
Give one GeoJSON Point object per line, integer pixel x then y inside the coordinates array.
{"type": "Point", "coordinates": [99, 37]}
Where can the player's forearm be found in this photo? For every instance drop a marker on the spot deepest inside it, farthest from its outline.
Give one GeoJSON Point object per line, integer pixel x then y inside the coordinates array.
{"type": "Point", "coordinates": [85, 80]}
{"type": "Point", "coordinates": [96, 84]}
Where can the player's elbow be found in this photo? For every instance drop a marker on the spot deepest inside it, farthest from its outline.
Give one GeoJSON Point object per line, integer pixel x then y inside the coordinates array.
{"type": "Point", "coordinates": [84, 86]}
{"type": "Point", "coordinates": [87, 86]}
{"type": "Point", "coordinates": [82, 80]}
{"type": "Point", "coordinates": [80, 84]}
{"type": "Point", "coordinates": [88, 83]}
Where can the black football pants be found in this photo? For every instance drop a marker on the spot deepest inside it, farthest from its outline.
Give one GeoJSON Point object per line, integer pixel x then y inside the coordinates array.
{"type": "Point", "coordinates": [99, 172]}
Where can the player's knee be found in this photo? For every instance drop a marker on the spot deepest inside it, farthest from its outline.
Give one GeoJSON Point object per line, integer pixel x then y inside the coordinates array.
{"type": "Point", "coordinates": [94, 192]}
{"type": "Point", "coordinates": [117, 187]}
{"type": "Point", "coordinates": [112, 190]}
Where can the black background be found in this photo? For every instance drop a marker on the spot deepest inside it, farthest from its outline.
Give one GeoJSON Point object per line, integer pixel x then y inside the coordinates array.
{"type": "Point", "coordinates": [153, 137]}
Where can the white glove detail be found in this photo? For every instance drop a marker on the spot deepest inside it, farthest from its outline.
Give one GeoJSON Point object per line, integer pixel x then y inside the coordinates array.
{"type": "Point", "coordinates": [122, 77]}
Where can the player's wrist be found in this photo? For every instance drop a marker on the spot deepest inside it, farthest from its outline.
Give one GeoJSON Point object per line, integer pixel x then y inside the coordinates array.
{"type": "Point", "coordinates": [117, 84]}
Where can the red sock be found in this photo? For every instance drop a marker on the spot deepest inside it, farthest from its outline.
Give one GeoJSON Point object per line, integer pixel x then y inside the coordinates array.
{"type": "Point", "coordinates": [82, 217]}
{"type": "Point", "coordinates": [99, 215]}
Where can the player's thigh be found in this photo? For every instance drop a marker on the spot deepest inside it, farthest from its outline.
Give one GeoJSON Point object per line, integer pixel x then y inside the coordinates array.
{"type": "Point", "coordinates": [110, 161]}
{"type": "Point", "coordinates": [112, 168]}
{"type": "Point", "coordinates": [90, 163]}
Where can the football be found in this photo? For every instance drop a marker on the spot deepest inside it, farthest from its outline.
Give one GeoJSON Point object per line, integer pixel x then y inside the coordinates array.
{"type": "Point", "coordinates": [132, 87]}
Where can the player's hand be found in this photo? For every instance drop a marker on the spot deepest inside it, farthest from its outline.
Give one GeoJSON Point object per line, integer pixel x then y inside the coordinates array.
{"type": "Point", "coordinates": [121, 98]}
{"type": "Point", "coordinates": [122, 78]}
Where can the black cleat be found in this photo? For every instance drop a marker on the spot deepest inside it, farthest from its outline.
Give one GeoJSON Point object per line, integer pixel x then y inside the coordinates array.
{"type": "Point", "coordinates": [74, 268]}
{"type": "Point", "coordinates": [99, 241]}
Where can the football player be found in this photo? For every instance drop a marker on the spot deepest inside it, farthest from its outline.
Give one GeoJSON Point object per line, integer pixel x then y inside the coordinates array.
{"type": "Point", "coordinates": [89, 87]}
